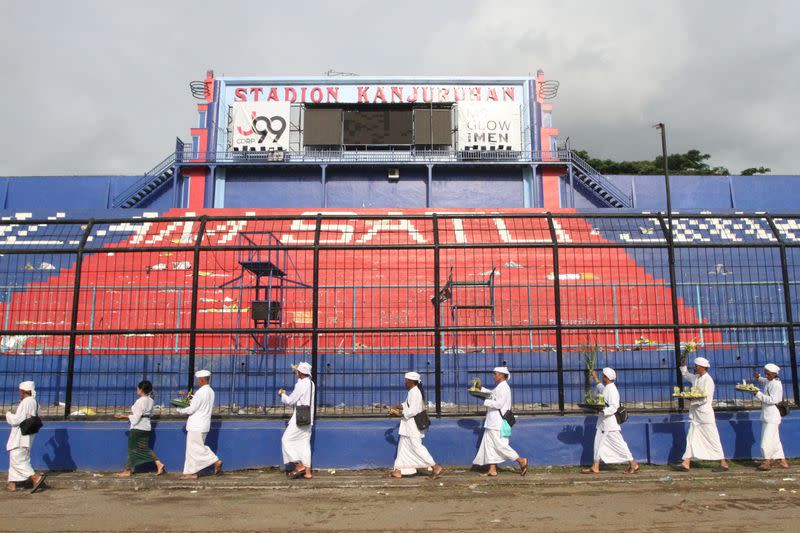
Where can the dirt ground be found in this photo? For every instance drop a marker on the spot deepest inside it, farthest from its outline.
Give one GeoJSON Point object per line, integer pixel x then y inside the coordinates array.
{"type": "Point", "coordinates": [550, 499]}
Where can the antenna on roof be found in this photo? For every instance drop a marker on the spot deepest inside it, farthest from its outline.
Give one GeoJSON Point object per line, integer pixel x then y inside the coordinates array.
{"type": "Point", "coordinates": [332, 72]}
{"type": "Point", "coordinates": [548, 89]}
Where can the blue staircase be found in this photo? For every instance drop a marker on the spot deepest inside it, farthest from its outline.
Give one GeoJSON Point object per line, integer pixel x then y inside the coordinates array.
{"type": "Point", "coordinates": [597, 184]}
{"type": "Point", "coordinates": [148, 184]}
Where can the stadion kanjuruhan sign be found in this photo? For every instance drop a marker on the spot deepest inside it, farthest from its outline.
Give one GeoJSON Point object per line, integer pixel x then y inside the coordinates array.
{"type": "Point", "coordinates": [259, 126]}
{"type": "Point", "coordinates": [378, 94]}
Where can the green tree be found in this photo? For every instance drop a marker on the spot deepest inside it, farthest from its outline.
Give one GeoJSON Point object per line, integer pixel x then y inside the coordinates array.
{"type": "Point", "coordinates": [753, 170]}
{"type": "Point", "coordinates": [692, 162]}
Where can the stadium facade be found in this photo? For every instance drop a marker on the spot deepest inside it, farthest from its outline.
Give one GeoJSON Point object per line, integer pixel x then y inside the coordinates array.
{"type": "Point", "coordinates": [377, 225]}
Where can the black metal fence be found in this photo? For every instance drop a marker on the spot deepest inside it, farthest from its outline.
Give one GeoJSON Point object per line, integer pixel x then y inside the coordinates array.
{"type": "Point", "coordinates": [90, 307]}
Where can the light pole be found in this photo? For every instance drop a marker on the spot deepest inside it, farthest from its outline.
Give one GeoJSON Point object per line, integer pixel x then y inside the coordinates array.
{"type": "Point", "coordinates": [660, 126]}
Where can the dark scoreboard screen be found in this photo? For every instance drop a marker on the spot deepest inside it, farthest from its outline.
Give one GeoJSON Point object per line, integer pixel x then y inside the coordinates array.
{"type": "Point", "coordinates": [385, 127]}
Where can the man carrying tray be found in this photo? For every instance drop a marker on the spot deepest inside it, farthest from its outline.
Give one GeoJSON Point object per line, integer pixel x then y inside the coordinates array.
{"type": "Point", "coordinates": [702, 441]}
{"type": "Point", "coordinates": [198, 455]}
{"type": "Point", "coordinates": [772, 395]}
{"type": "Point", "coordinates": [609, 446]}
{"type": "Point", "coordinates": [494, 448]}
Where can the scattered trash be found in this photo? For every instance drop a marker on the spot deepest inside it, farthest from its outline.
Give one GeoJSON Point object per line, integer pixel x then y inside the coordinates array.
{"type": "Point", "coordinates": [192, 492]}
{"type": "Point", "coordinates": [572, 277]}
{"type": "Point", "coordinates": [788, 479]}
{"type": "Point", "coordinates": [181, 265]}
{"type": "Point", "coordinates": [496, 521]}
{"type": "Point", "coordinates": [157, 266]}
{"type": "Point", "coordinates": [83, 412]}
{"type": "Point", "coordinates": [722, 494]}
{"type": "Point", "coordinates": [46, 266]}
{"type": "Point", "coordinates": [442, 485]}
{"type": "Point", "coordinates": [794, 491]}
{"type": "Point", "coordinates": [666, 479]}
{"type": "Point", "coordinates": [781, 489]}
{"type": "Point", "coordinates": [97, 475]}
{"type": "Point", "coordinates": [383, 493]}
{"type": "Point", "coordinates": [513, 264]}
{"type": "Point", "coordinates": [769, 481]}
{"type": "Point", "coordinates": [332, 472]}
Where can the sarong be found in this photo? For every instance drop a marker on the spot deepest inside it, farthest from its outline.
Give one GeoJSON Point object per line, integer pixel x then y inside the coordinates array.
{"type": "Point", "coordinates": [139, 451]}
{"type": "Point", "coordinates": [494, 449]}
{"type": "Point", "coordinates": [411, 455]}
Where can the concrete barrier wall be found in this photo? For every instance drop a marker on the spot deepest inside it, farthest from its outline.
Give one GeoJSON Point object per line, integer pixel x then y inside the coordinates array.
{"type": "Point", "coordinates": [371, 443]}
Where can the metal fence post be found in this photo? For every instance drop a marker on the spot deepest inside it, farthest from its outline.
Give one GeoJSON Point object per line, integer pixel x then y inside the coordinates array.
{"type": "Point", "coordinates": [195, 297]}
{"type": "Point", "coordinates": [437, 318]}
{"type": "Point", "coordinates": [557, 302]}
{"type": "Point", "coordinates": [787, 303]}
{"type": "Point", "coordinates": [315, 310]}
{"type": "Point", "coordinates": [76, 290]}
{"type": "Point", "coordinates": [673, 288]}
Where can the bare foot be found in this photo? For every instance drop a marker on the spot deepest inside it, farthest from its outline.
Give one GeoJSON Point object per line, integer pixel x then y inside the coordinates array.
{"type": "Point", "coordinates": [161, 468]}
{"type": "Point", "coordinates": [11, 487]}
{"type": "Point", "coordinates": [218, 467]}
{"type": "Point", "coordinates": [396, 474]}
{"type": "Point", "coordinates": [124, 473]}
{"type": "Point", "coordinates": [489, 474]}
{"type": "Point", "coordinates": [189, 476]}
{"type": "Point", "coordinates": [589, 471]}
{"type": "Point", "coordinates": [437, 472]}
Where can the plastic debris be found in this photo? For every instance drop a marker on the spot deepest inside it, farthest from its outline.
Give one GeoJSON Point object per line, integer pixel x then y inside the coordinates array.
{"type": "Point", "coordinates": [46, 266]}
{"type": "Point", "coordinates": [666, 479]}
{"type": "Point", "coordinates": [781, 489]}
{"type": "Point", "coordinates": [788, 479]}
{"type": "Point", "coordinates": [83, 412]}
{"type": "Point", "coordinates": [157, 266]}
{"type": "Point", "coordinates": [192, 492]}
{"type": "Point", "coordinates": [181, 265]}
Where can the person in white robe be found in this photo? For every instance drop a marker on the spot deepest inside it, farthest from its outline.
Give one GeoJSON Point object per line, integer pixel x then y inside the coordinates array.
{"type": "Point", "coordinates": [494, 448]}
{"type": "Point", "coordinates": [770, 397]}
{"type": "Point", "coordinates": [702, 440]}
{"type": "Point", "coordinates": [411, 452]}
{"type": "Point", "coordinates": [198, 455]}
{"type": "Point", "coordinates": [609, 446]}
{"type": "Point", "coordinates": [296, 440]}
{"type": "Point", "coordinates": [19, 445]}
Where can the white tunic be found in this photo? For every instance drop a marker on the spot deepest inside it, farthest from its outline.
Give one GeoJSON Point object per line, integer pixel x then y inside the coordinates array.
{"type": "Point", "coordinates": [701, 410]}
{"type": "Point", "coordinates": [771, 446]}
{"type": "Point", "coordinates": [26, 409]}
{"type": "Point", "coordinates": [609, 446]}
{"type": "Point", "coordinates": [702, 440]}
{"type": "Point", "coordinates": [498, 404]}
{"type": "Point", "coordinates": [199, 410]}
{"type": "Point", "coordinates": [770, 397]}
{"type": "Point", "coordinates": [141, 411]}
{"type": "Point", "coordinates": [495, 449]}
{"type": "Point", "coordinates": [19, 445]}
{"type": "Point", "coordinates": [296, 440]}
{"type": "Point", "coordinates": [411, 453]}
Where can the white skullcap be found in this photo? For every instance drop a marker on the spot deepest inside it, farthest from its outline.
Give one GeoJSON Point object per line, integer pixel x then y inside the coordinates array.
{"type": "Point", "coordinates": [304, 368]}
{"type": "Point", "coordinates": [202, 374]}
{"type": "Point", "coordinates": [609, 373]}
{"type": "Point", "coordinates": [702, 361]}
{"type": "Point", "coordinates": [413, 376]}
{"type": "Point", "coordinates": [771, 367]}
{"type": "Point", "coordinates": [502, 370]}
{"type": "Point", "coordinates": [28, 386]}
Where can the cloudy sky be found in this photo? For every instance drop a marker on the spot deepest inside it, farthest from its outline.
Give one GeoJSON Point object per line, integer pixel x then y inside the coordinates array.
{"type": "Point", "coordinates": [101, 87]}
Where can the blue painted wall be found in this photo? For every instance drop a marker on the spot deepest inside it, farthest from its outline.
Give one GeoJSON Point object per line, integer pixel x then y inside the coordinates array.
{"type": "Point", "coordinates": [370, 187]}
{"type": "Point", "coordinates": [657, 439]}
{"type": "Point", "coordinates": [273, 187]}
{"type": "Point", "coordinates": [477, 187]}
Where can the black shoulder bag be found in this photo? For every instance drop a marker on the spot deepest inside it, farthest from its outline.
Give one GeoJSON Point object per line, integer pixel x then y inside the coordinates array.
{"type": "Point", "coordinates": [509, 417]}
{"type": "Point", "coordinates": [303, 412]}
{"type": "Point", "coordinates": [784, 407]}
{"type": "Point", "coordinates": [32, 424]}
{"type": "Point", "coordinates": [621, 415]}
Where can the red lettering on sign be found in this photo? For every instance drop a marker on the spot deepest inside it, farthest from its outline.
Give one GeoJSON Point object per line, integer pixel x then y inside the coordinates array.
{"type": "Point", "coordinates": [289, 94]}
{"type": "Point", "coordinates": [240, 95]}
{"type": "Point", "coordinates": [475, 93]}
{"type": "Point", "coordinates": [316, 95]}
{"type": "Point", "coordinates": [362, 95]}
{"type": "Point", "coordinates": [444, 94]}
{"type": "Point", "coordinates": [492, 94]}
{"type": "Point", "coordinates": [412, 99]}
{"type": "Point", "coordinates": [459, 94]}
{"type": "Point", "coordinates": [397, 92]}
{"type": "Point", "coordinates": [379, 94]}
{"type": "Point", "coordinates": [508, 93]}
{"type": "Point", "coordinates": [303, 94]}
{"type": "Point", "coordinates": [333, 94]}
{"type": "Point", "coordinates": [273, 95]}
{"type": "Point", "coordinates": [427, 94]}
{"type": "Point", "coordinates": [255, 91]}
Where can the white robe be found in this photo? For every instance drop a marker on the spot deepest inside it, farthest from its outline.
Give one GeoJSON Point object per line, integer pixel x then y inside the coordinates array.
{"type": "Point", "coordinates": [19, 445]}
{"type": "Point", "coordinates": [770, 397]}
{"type": "Point", "coordinates": [296, 440]}
{"type": "Point", "coordinates": [411, 453]}
{"type": "Point", "coordinates": [198, 455]}
{"type": "Point", "coordinates": [702, 440]}
{"type": "Point", "coordinates": [609, 446]}
{"type": "Point", "coordinates": [495, 449]}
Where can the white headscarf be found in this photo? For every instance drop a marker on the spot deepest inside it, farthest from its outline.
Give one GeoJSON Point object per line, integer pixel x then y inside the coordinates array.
{"type": "Point", "coordinates": [28, 386]}
{"type": "Point", "coordinates": [609, 373]}
{"type": "Point", "coordinates": [304, 368]}
{"type": "Point", "coordinates": [503, 370]}
{"type": "Point", "coordinates": [702, 361]}
{"type": "Point", "coordinates": [202, 374]}
{"type": "Point", "coordinates": [413, 376]}
{"type": "Point", "coordinates": [772, 367]}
